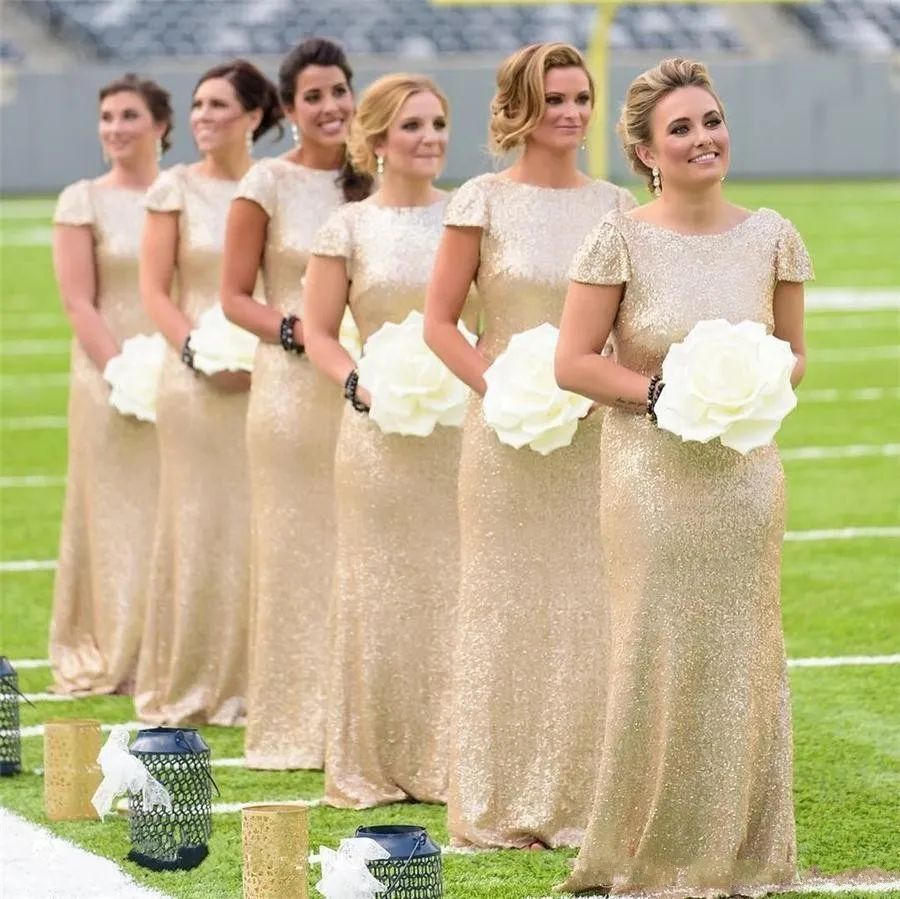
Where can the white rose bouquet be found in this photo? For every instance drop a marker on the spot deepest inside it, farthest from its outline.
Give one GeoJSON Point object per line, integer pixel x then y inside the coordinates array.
{"type": "Point", "coordinates": [523, 403]}
{"type": "Point", "coordinates": [412, 390]}
{"type": "Point", "coordinates": [133, 376]}
{"type": "Point", "coordinates": [219, 345]}
{"type": "Point", "coordinates": [731, 382]}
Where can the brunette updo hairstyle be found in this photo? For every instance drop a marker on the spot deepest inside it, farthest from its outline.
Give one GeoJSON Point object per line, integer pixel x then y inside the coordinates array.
{"type": "Point", "coordinates": [378, 107]}
{"type": "Point", "coordinates": [643, 96]}
{"type": "Point", "coordinates": [253, 90]}
{"type": "Point", "coordinates": [319, 51]}
{"type": "Point", "coordinates": [157, 98]}
{"type": "Point", "coordinates": [518, 105]}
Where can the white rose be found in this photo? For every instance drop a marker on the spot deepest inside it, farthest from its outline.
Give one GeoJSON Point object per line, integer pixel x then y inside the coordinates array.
{"type": "Point", "coordinates": [731, 382]}
{"type": "Point", "coordinates": [133, 376]}
{"type": "Point", "coordinates": [349, 336]}
{"type": "Point", "coordinates": [219, 345]}
{"type": "Point", "coordinates": [412, 390]}
{"type": "Point", "coordinates": [523, 403]}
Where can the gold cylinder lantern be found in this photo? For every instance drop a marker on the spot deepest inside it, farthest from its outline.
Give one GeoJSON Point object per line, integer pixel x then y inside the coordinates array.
{"type": "Point", "coordinates": [71, 772]}
{"type": "Point", "coordinates": [276, 846]}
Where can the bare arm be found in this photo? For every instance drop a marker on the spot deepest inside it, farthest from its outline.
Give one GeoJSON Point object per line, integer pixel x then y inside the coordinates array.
{"type": "Point", "coordinates": [159, 248]}
{"type": "Point", "coordinates": [788, 308]}
{"type": "Point", "coordinates": [587, 320]}
{"type": "Point", "coordinates": [454, 270]}
{"type": "Point", "coordinates": [245, 240]}
{"type": "Point", "coordinates": [76, 276]}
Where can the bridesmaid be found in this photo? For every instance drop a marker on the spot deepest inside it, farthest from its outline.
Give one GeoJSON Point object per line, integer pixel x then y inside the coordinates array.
{"type": "Point", "coordinates": [693, 793]}
{"type": "Point", "coordinates": [294, 411]}
{"type": "Point", "coordinates": [527, 697]}
{"type": "Point", "coordinates": [194, 656]}
{"type": "Point", "coordinates": [98, 602]}
{"type": "Point", "coordinates": [397, 535]}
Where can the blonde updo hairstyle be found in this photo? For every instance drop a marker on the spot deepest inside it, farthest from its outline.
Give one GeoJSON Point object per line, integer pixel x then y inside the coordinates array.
{"type": "Point", "coordinates": [645, 93]}
{"type": "Point", "coordinates": [378, 107]}
{"type": "Point", "coordinates": [518, 105]}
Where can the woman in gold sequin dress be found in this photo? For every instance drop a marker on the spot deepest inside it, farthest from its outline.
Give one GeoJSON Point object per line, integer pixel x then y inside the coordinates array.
{"type": "Point", "coordinates": [397, 536]}
{"type": "Point", "coordinates": [529, 655]}
{"type": "Point", "coordinates": [193, 662]}
{"type": "Point", "coordinates": [98, 602]}
{"type": "Point", "coordinates": [694, 779]}
{"type": "Point", "coordinates": [294, 410]}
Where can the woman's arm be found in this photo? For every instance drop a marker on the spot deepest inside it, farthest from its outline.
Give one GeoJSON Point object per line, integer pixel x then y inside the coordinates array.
{"type": "Point", "coordinates": [454, 270]}
{"type": "Point", "coordinates": [245, 241]}
{"type": "Point", "coordinates": [76, 276]}
{"type": "Point", "coordinates": [587, 319]}
{"type": "Point", "coordinates": [788, 309]}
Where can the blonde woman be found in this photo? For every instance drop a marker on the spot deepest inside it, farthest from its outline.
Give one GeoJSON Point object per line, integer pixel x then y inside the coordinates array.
{"type": "Point", "coordinates": [194, 654]}
{"type": "Point", "coordinates": [528, 666]}
{"type": "Point", "coordinates": [98, 600]}
{"type": "Point", "coordinates": [294, 411]}
{"type": "Point", "coordinates": [694, 780]}
{"type": "Point", "coordinates": [397, 558]}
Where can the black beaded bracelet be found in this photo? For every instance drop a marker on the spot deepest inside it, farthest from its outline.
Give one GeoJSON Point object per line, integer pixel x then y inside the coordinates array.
{"type": "Point", "coordinates": [287, 335]}
{"type": "Point", "coordinates": [350, 386]}
{"type": "Point", "coordinates": [653, 392]}
{"type": "Point", "coordinates": [187, 353]}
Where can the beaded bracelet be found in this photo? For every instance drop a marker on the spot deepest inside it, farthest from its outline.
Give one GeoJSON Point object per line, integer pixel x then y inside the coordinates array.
{"type": "Point", "coordinates": [287, 336]}
{"type": "Point", "coordinates": [187, 353]}
{"type": "Point", "coordinates": [350, 386]}
{"type": "Point", "coordinates": [653, 392]}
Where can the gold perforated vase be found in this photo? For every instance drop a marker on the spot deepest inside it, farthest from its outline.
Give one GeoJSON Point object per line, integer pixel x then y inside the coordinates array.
{"type": "Point", "coordinates": [276, 846]}
{"type": "Point", "coordinates": [71, 772]}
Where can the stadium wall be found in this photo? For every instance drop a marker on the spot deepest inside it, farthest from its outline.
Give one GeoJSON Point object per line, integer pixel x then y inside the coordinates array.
{"type": "Point", "coordinates": [816, 116]}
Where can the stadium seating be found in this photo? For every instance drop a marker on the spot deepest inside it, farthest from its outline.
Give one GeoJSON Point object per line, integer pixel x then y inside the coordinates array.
{"type": "Point", "coordinates": [129, 29]}
{"type": "Point", "coordinates": [863, 25]}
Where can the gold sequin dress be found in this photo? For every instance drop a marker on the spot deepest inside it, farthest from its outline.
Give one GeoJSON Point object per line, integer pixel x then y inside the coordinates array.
{"type": "Point", "coordinates": [529, 654]}
{"type": "Point", "coordinates": [693, 784]}
{"type": "Point", "coordinates": [397, 564]}
{"type": "Point", "coordinates": [292, 425]}
{"type": "Point", "coordinates": [193, 661]}
{"type": "Point", "coordinates": [104, 547]}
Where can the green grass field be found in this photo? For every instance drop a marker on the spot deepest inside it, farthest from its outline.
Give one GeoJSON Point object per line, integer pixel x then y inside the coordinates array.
{"type": "Point", "coordinates": [841, 595]}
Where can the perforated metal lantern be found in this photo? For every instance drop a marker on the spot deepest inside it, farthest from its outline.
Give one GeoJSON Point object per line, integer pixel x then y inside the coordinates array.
{"type": "Point", "coordinates": [414, 870]}
{"type": "Point", "coordinates": [10, 733]}
{"type": "Point", "coordinates": [164, 840]}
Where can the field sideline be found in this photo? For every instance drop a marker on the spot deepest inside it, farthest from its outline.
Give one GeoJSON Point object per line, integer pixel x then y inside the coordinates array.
{"type": "Point", "coordinates": [841, 590]}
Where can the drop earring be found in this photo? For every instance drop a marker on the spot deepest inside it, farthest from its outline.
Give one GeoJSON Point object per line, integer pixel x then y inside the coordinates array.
{"type": "Point", "coordinates": [159, 149]}
{"type": "Point", "coordinates": [249, 141]}
{"type": "Point", "coordinates": [657, 187]}
{"type": "Point", "coordinates": [379, 165]}
{"type": "Point", "coordinates": [295, 134]}
{"type": "Point", "coordinates": [105, 157]}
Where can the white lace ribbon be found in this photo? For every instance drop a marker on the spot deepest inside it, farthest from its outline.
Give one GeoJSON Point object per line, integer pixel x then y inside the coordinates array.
{"type": "Point", "coordinates": [123, 773]}
{"type": "Point", "coordinates": [344, 873]}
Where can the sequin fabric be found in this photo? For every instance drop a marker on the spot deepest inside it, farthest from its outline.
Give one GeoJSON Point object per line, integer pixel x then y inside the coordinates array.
{"type": "Point", "coordinates": [193, 660]}
{"type": "Point", "coordinates": [292, 424]}
{"type": "Point", "coordinates": [530, 652]}
{"type": "Point", "coordinates": [693, 784]}
{"type": "Point", "coordinates": [98, 601]}
{"type": "Point", "coordinates": [397, 564]}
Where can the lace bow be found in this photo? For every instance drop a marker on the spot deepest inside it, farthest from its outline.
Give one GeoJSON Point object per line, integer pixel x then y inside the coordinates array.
{"type": "Point", "coordinates": [344, 873]}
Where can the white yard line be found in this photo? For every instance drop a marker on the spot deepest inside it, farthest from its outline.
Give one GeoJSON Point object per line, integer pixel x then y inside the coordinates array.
{"type": "Point", "coordinates": [35, 423]}
{"type": "Point", "coordinates": [26, 664]}
{"type": "Point", "coordinates": [854, 354]}
{"type": "Point", "coordinates": [844, 534]}
{"type": "Point", "coordinates": [47, 697]}
{"type": "Point", "coordinates": [19, 565]}
{"type": "Point", "coordinates": [842, 298]}
{"type": "Point", "coordinates": [865, 321]}
{"type": "Point", "coordinates": [854, 451]}
{"type": "Point", "coordinates": [35, 347]}
{"type": "Point", "coordinates": [862, 395]}
{"type": "Point", "coordinates": [32, 382]}
{"type": "Point", "coordinates": [37, 730]}
{"type": "Point", "coordinates": [844, 661]}
{"type": "Point", "coordinates": [32, 480]}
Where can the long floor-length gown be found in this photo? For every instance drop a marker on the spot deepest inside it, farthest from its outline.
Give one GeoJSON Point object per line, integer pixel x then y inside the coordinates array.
{"type": "Point", "coordinates": [397, 557]}
{"type": "Point", "coordinates": [529, 654]}
{"type": "Point", "coordinates": [292, 425]}
{"type": "Point", "coordinates": [193, 661]}
{"type": "Point", "coordinates": [693, 784]}
{"type": "Point", "coordinates": [107, 528]}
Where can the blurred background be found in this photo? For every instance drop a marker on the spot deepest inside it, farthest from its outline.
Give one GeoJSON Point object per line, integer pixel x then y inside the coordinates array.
{"type": "Point", "coordinates": [812, 89]}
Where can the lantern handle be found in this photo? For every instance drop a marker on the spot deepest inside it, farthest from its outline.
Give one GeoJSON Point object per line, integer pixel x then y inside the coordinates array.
{"type": "Point", "coordinates": [180, 740]}
{"type": "Point", "coordinates": [420, 840]}
{"type": "Point", "coordinates": [17, 690]}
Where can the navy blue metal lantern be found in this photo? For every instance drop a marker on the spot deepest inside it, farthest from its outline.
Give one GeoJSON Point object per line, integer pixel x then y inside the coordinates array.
{"type": "Point", "coordinates": [164, 840]}
{"type": "Point", "coordinates": [414, 869]}
{"type": "Point", "coordinates": [10, 733]}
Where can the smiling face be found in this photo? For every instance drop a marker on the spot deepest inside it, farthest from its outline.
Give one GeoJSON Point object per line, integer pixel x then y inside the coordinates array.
{"type": "Point", "coordinates": [415, 145]}
{"type": "Point", "coordinates": [126, 128]}
{"type": "Point", "coordinates": [567, 98]}
{"type": "Point", "coordinates": [690, 142]}
{"type": "Point", "coordinates": [218, 120]}
{"type": "Point", "coordinates": [323, 107]}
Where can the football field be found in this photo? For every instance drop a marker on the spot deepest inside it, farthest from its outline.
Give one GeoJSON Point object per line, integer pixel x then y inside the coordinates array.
{"type": "Point", "coordinates": [841, 581]}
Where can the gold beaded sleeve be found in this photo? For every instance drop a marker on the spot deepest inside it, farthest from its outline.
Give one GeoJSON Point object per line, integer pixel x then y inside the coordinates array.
{"type": "Point", "coordinates": [74, 205]}
{"type": "Point", "coordinates": [468, 207]}
{"type": "Point", "coordinates": [792, 261]}
{"type": "Point", "coordinates": [165, 194]}
{"type": "Point", "coordinates": [602, 258]}
{"type": "Point", "coordinates": [259, 186]}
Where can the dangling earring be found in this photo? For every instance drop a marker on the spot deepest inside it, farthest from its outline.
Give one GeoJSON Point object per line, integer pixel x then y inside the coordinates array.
{"type": "Point", "coordinates": [657, 187]}
{"type": "Point", "coordinates": [105, 157]}
{"type": "Point", "coordinates": [295, 134]}
{"type": "Point", "coordinates": [249, 141]}
{"type": "Point", "coordinates": [159, 149]}
{"type": "Point", "coordinates": [584, 143]}
{"type": "Point", "coordinates": [379, 165]}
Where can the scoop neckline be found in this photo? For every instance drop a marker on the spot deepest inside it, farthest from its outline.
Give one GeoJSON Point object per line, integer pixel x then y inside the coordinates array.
{"type": "Point", "coordinates": [426, 206]}
{"type": "Point", "coordinates": [662, 228]}
{"type": "Point", "coordinates": [502, 176]}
